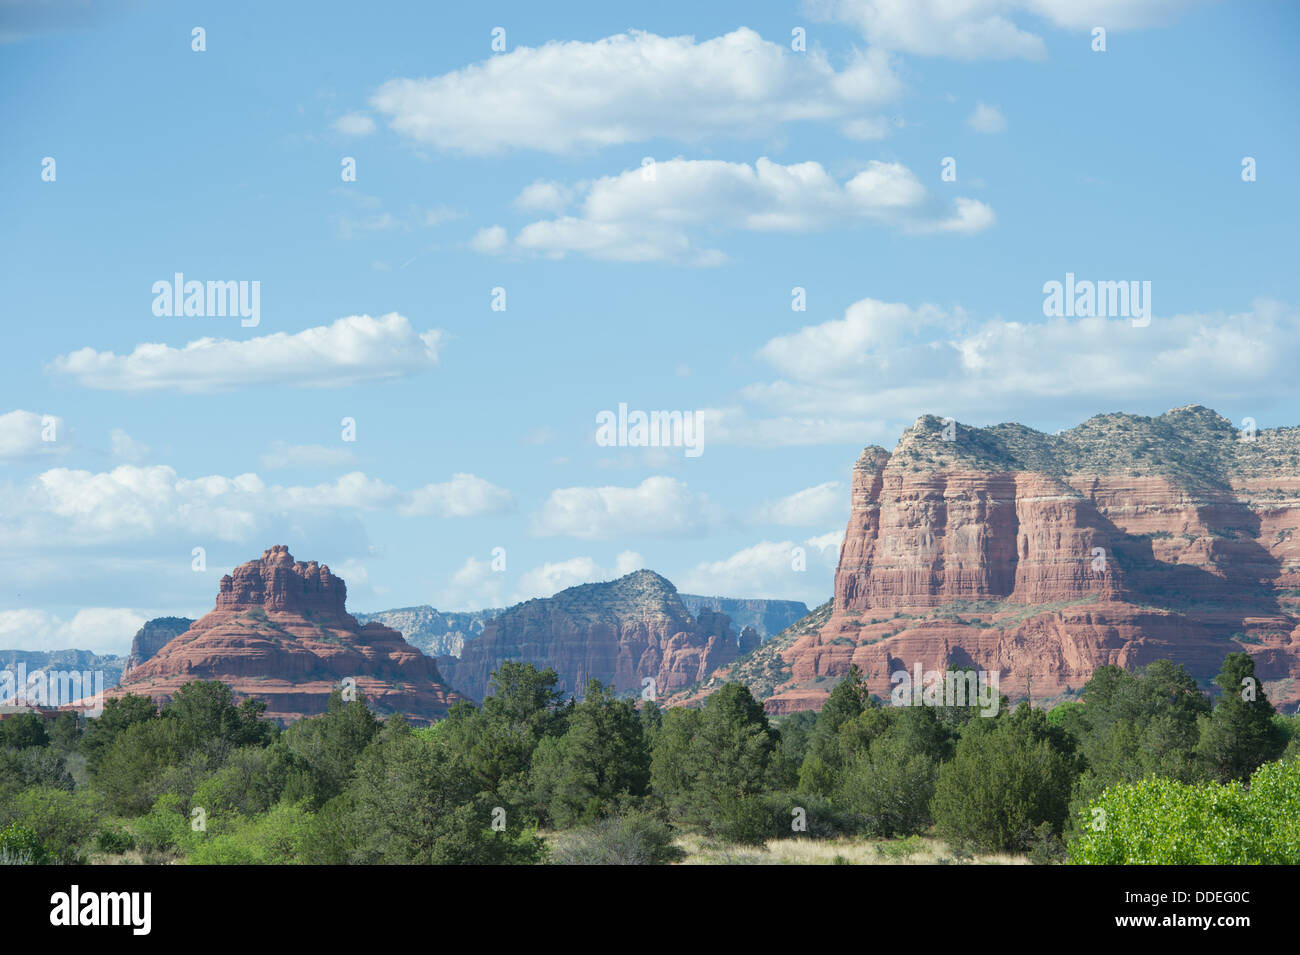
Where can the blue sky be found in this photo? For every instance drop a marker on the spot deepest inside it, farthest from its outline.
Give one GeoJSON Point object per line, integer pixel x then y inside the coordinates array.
{"type": "Point", "coordinates": [522, 169]}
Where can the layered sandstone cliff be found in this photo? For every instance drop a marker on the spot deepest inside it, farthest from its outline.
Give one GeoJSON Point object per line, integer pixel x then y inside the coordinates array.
{"type": "Point", "coordinates": [280, 632]}
{"type": "Point", "coordinates": [1042, 557]}
{"type": "Point", "coordinates": [619, 632]}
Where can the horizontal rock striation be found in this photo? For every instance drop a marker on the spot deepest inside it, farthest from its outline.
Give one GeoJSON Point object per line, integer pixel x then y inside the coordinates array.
{"type": "Point", "coordinates": [1042, 557]}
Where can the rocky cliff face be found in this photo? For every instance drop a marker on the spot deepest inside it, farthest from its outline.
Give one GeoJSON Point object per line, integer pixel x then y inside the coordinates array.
{"type": "Point", "coordinates": [280, 632]}
{"type": "Point", "coordinates": [152, 637]}
{"type": "Point", "coordinates": [1123, 540]}
{"type": "Point", "coordinates": [438, 633]}
{"type": "Point", "coordinates": [766, 617]}
{"type": "Point", "coordinates": [431, 631]}
{"type": "Point", "coordinates": [617, 632]}
{"type": "Point", "coordinates": [764, 669]}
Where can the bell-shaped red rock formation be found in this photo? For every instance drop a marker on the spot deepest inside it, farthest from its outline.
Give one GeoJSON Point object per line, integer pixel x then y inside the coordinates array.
{"type": "Point", "coordinates": [280, 632]}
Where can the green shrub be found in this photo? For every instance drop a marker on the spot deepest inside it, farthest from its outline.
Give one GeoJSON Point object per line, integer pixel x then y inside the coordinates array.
{"type": "Point", "coordinates": [164, 827]}
{"type": "Point", "coordinates": [240, 786]}
{"type": "Point", "coordinates": [412, 802]}
{"type": "Point", "coordinates": [274, 838]}
{"type": "Point", "coordinates": [1047, 846]}
{"type": "Point", "coordinates": [1009, 775]}
{"type": "Point", "coordinates": [631, 839]}
{"type": "Point", "coordinates": [753, 820]}
{"type": "Point", "coordinates": [599, 763]}
{"type": "Point", "coordinates": [19, 845]}
{"type": "Point", "coordinates": [224, 849]}
{"type": "Point", "coordinates": [23, 730]}
{"type": "Point", "coordinates": [132, 770]}
{"type": "Point", "coordinates": [1275, 802]}
{"type": "Point", "coordinates": [114, 840]}
{"type": "Point", "coordinates": [63, 822]}
{"type": "Point", "coordinates": [890, 789]}
{"type": "Point", "coordinates": [710, 763]}
{"type": "Point", "coordinates": [35, 766]}
{"type": "Point", "coordinates": [1160, 821]}
{"type": "Point", "coordinates": [749, 821]}
{"type": "Point", "coordinates": [901, 848]}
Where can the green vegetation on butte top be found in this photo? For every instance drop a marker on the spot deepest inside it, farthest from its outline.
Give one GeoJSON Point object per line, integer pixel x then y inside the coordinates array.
{"type": "Point", "coordinates": [1194, 444]}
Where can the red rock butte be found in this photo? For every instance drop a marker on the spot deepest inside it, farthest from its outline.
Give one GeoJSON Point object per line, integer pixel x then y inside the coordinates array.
{"type": "Point", "coordinates": [281, 632]}
{"type": "Point", "coordinates": [620, 632]}
{"type": "Point", "coordinates": [1042, 557]}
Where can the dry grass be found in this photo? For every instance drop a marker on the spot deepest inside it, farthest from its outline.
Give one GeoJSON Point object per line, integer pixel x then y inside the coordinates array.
{"type": "Point", "coordinates": [916, 850]}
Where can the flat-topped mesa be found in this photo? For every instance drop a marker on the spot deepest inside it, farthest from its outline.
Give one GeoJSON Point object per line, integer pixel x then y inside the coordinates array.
{"type": "Point", "coordinates": [277, 583]}
{"type": "Point", "coordinates": [1008, 513]}
{"type": "Point", "coordinates": [1043, 556]}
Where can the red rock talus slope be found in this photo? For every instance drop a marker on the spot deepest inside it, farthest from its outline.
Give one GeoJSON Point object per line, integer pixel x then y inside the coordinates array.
{"type": "Point", "coordinates": [280, 632]}
{"type": "Point", "coordinates": [1042, 557]}
{"type": "Point", "coordinates": [617, 632]}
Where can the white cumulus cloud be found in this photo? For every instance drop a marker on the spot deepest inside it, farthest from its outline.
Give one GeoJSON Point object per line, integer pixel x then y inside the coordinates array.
{"type": "Point", "coordinates": [476, 585]}
{"type": "Point", "coordinates": [968, 217]}
{"type": "Point", "coordinates": [546, 196]}
{"type": "Point", "coordinates": [886, 363]}
{"type": "Point", "coordinates": [822, 504]}
{"type": "Point", "coordinates": [658, 506]}
{"type": "Point", "coordinates": [465, 495]}
{"type": "Point", "coordinates": [768, 570]}
{"type": "Point", "coordinates": [25, 434]}
{"type": "Point", "coordinates": [552, 577]}
{"type": "Point", "coordinates": [352, 349]}
{"type": "Point", "coordinates": [71, 508]}
{"type": "Point", "coordinates": [649, 213]}
{"type": "Point", "coordinates": [987, 119]}
{"type": "Point", "coordinates": [628, 88]}
{"type": "Point", "coordinates": [355, 124]}
{"type": "Point", "coordinates": [987, 29]}
{"type": "Point", "coordinates": [127, 448]}
{"type": "Point", "coordinates": [97, 629]}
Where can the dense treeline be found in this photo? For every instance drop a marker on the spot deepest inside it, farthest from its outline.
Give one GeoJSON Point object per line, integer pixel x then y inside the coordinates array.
{"type": "Point", "coordinates": [1142, 768]}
